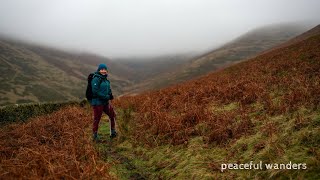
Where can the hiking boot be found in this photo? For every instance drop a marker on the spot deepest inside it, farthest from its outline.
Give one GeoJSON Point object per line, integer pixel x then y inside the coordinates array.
{"type": "Point", "coordinates": [113, 133]}
{"type": "Point", "coordinates": [95, 137]}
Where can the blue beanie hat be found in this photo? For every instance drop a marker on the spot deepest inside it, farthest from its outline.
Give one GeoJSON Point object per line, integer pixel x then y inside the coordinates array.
{"type": "Point", "coordinates": [102, 66]}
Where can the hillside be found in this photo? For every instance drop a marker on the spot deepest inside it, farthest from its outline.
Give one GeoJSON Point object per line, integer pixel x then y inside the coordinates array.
{"type": "Point", "coordinates": [152, 66]}
{"type": "Point", "coordinates": [243, 47]}
{"type": "Point", "coordinates": [32, 73]}
{"type": "Point", "coordinates": [264, 109]}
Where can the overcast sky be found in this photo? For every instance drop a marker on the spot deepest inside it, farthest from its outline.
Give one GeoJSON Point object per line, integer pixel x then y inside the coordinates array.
{"type": "Point", "coordinates": [143, 27]}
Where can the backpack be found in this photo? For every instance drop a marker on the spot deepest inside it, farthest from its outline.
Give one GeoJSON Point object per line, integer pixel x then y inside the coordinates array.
{"type": "Point", "coordinates": [89, 94]}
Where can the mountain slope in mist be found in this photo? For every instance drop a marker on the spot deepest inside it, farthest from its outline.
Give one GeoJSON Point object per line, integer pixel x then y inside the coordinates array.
{"type": "Point", "coordinates": [32, 73]}
{"type": "Point", "coordinates": [247, 45]}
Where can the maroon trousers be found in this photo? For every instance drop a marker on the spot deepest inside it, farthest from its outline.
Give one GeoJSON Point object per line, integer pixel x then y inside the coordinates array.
{"type": "Point", "coordinates": [97, 113]}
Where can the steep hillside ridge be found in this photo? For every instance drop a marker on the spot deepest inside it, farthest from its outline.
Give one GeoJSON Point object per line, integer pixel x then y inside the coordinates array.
{"type": "Point", "coordinates": [312, 32]}
{"type": "Point", "coordinates": [250, 44]}
{"type": "Point", "coordinates": [247, 45]}
{"type": "Point", "coordinates": [289, 74]}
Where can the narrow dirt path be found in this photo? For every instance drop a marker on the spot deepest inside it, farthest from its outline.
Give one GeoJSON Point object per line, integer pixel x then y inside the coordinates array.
{"type": "Point", "coordinates": [110, 153]}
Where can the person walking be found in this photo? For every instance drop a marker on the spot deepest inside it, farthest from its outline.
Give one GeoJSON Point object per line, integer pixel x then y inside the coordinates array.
{"type": "Point", "coordinates": [101, 96]}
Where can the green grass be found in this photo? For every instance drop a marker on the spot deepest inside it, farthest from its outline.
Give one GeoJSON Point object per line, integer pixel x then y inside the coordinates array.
{"type": "Point", "coordinates": [23, 112]}
{"type": "Point", "coordinates": [225, 108]}
{"type": "Point", "coordinates": [112, 152]}
{"type": "Point", "coordinates": [283, 138]}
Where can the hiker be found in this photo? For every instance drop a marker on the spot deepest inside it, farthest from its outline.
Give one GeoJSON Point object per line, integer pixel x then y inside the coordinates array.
{"type": "Point", "coordinates": [101, 94]}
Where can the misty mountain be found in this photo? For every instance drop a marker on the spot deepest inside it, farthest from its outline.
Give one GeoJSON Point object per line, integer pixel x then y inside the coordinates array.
{"type": "Point", "coordinates": [146, 67]}
{"type": "Point", "coordinates": [248, 45]}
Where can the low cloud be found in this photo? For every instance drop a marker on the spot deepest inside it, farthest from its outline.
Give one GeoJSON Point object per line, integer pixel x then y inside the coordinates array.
{"type": "Point", "coordinates": [116, 28]}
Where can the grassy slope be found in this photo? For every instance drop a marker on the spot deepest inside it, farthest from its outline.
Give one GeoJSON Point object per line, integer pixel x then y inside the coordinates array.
{"type": "Point", "coordinates": [25, 75]}
{"type": "Point", "coordinates": [32, 73]}
{"type": "Point", "coordinates": [265, 109]}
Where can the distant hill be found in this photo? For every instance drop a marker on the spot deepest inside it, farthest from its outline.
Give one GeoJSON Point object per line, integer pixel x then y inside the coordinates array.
{"type": "Point", "coordinates": [146, 68]}
{"type": "Point", "coordinates": [31, 73]}
{"type": "Point", "coordinates": [243, 47]}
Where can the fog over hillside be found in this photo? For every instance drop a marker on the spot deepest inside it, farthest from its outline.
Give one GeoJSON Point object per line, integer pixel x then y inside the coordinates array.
{"type": "Point", "coordinates": [127, 28]}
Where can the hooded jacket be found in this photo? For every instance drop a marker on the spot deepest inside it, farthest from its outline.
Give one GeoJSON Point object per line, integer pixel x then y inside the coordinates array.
{"type": "Point", "coordinates": [100, 89]}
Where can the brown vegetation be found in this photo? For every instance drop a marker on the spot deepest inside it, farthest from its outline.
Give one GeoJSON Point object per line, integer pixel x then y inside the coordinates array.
{"type": "Point", "coordinates": [55, 146]}
{"type": "Point", "coordinates": [221, 105]}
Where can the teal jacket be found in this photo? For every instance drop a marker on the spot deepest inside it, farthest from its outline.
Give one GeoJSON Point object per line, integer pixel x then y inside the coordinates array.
{"type": "Point", "coordinates": [101, 90]}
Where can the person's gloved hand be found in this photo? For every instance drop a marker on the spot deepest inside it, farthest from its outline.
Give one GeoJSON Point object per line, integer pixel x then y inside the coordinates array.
{"type": "Point", "coordinates": [106, 97]}
{"type": "Point", "coordinates": [111, 96]}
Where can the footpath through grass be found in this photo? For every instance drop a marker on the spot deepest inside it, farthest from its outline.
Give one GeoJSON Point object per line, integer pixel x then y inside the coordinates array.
{"type": "Point", "coordinates": [286, 139]}
{"type": "Point", "coordinates": [111, 151]}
